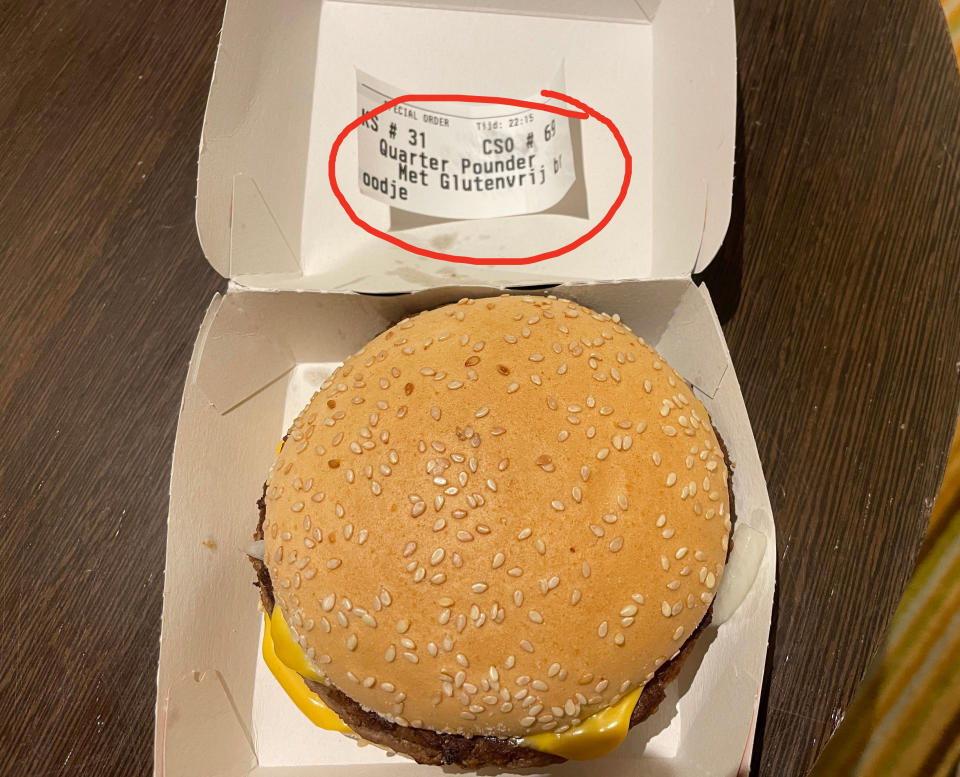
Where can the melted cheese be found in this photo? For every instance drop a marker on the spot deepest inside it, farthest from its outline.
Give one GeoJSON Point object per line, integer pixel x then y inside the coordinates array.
{"type": "Point", "coordinates": [289, 665]}
{"type": "Point", "coordinates": [598, 735]}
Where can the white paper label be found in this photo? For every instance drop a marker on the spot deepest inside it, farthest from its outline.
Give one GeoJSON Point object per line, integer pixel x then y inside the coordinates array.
{"type": "Point", "coordinates": [462, 160]}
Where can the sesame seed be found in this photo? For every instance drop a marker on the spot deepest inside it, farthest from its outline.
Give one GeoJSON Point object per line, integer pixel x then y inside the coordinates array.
{"type": "Point", "coordinates": [711, 580]}
{"type": "Point", "coordinates": [575, 596]}
{"type": "Point", "coordinates": [526, 646]}
{"type": "Point", "coordinates": [464, 536]}
{"type": "Point", "coordinates": [678, 633]}
{"type": "Point", "coordinates": [351, 643]}
{"type": "Point", "coordinates": [538, 685]}
{"type": "Point", "coordinates": [665, 609]}
{"type": "Point", "coordinates": [437, 556]}
{"type": "Point", "coordinates": [512, 387]}
{"type": "Point", "coordinates": [681, 552]}
{"type": "Point", "coordinates": [585, 569]}
{"type": "Point", "coordinates": [518, 597]}
{"type": "Point", "coordinates": [603, 453]}
{"type": "Point", "coordinates": [333, 563]}
{"type": "Point", "coordinates": [478, 588]}
{"type": "Point", "coordinates": [402, 626]}
{"type": "Point", "coordinates": [667, 533]}
{"type": "Point", "coordinates": [535, 616]}
{"type": "Point", "coordinates": [413, 658]}
{"type": "Point", "coordinates": [557, 505]}
{"type": "Point", "coordinates": [602, 629]}
{"type": "Point", "coordinates": [671, 478]}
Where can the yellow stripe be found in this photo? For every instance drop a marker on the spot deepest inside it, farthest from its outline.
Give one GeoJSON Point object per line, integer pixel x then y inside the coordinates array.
{"type": "Point", "coordinates": [951, 9]}
{"type": "Point", "coordinates": [934, 572]}
{"type": "Point", "coordinates": [948, 763]}
{"type": "Point", "coordinates": [940, 600]}
{"type": "Point", "coordinates": [914, 723]}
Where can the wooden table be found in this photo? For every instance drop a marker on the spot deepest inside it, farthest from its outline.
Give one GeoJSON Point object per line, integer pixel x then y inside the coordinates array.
{"type": "Point", "coordinates": [838, 286]}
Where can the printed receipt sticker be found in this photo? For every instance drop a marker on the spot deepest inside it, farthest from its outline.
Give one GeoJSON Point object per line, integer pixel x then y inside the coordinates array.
{"type": "Point", "coordinates": [468, 162]}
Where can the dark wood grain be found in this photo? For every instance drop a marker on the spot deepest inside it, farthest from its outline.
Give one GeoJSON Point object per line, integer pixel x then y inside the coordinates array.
{"type": "Point", "coordinates": [846, 330]}
{"type": "Point", "coordinates": [838, 286]}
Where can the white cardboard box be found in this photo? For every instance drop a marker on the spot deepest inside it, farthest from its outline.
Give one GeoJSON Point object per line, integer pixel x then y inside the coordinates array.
{"type": "Point", "coordinates": [284, 85]}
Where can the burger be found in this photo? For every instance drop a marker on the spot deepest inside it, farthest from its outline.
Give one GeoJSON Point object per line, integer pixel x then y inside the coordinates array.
{"type": "Point", "coordinates": [493, 535]}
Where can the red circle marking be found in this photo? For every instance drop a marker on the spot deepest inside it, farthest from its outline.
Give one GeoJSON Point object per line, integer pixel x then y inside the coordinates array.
{"type": "Point", "coordinates": [584, 112]}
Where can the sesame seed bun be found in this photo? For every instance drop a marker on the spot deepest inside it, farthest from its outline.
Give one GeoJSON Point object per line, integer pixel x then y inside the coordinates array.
{"type": "Point", "coordinates": [497, 501]}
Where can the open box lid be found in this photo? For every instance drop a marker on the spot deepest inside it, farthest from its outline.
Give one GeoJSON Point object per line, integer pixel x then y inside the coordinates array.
{"type": "Point", "coordinates": [286, 83]}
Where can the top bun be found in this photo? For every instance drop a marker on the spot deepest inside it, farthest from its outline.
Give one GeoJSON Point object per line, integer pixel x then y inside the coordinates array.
{"type": "Point", "coordinates": [498, 517]}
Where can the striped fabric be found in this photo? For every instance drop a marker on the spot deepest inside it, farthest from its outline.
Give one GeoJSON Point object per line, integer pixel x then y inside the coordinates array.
{"type": "Point", "coordinates": [905, 718]}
